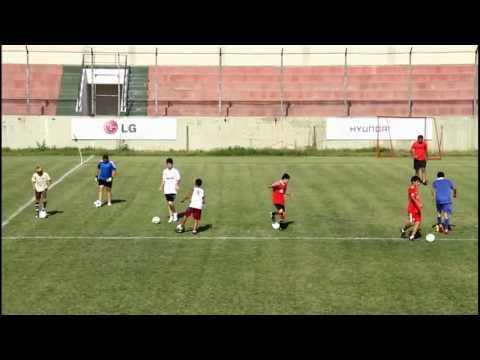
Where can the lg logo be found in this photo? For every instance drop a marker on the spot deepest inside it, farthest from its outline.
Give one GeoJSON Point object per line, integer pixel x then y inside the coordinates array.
{"type": "Point", "coordinates": [111, 127]}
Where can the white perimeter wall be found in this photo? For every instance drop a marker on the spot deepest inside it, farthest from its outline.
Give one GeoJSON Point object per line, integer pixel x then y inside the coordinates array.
{"type": "Point", "coordinates": [459, 134]}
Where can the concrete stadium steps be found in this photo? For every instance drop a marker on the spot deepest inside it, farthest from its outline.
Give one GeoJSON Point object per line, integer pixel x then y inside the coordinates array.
{"type": "Point", "coordinates": [70, 87]}
{"type": "Point", "coordinates": [44, 89]}
{"type": "Point", "coordinates": [137, 90]}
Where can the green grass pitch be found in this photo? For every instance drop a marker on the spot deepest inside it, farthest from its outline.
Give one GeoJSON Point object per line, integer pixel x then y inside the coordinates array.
{"type": "Point", "coordinates": [341, 253]}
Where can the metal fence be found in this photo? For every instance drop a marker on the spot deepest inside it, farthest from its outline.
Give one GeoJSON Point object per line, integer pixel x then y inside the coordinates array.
{"type": "Point", "coordinates": [281, 55]}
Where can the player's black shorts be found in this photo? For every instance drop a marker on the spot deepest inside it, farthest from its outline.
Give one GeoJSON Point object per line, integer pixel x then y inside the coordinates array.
{"type": "Point", "coordinates": [170, 197]}
{"type": "Point", "coordinates": [38, 195]}
{"type": "Point", "coordinates": [279, 207]}
{"type": "Point", "coordinates": [418, 164]}
{"type": "Point", "coordinates": [105, 183]}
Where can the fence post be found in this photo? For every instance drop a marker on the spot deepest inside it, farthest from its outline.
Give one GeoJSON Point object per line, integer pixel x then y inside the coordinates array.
{"type": "Point", "coordinates": [345, 85]}
{"type": "Point", "coordinates": [118, 85]}
{"type": "Point", "coordinates": [220, 80]}
{"type": "Point", "coordinates": [27, 83]}
{"type": "Point", "coordinates": [156, 81]}
{"type": "Point", "coordinates": [282, 112]}
{"type": "Point", "coordinates": [93, 83]}
{"type": "Point", "coordinates": [475, 86]}
{"type": "Point", "coordinates": [410, 103]}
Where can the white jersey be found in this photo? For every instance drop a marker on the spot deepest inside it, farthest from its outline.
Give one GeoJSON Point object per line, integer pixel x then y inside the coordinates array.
{"type": "Point", "coordinates": [197, 198]}
{"type": "Point", "coordinates": [170, 178]}
{"type": "Point", "coordinates": [40, 182]}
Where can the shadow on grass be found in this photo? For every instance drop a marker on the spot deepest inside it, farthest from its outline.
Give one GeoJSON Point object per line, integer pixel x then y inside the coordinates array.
{"type": "Point", "coordinates": [203, 228]}
{"type": "Point", "coordinates": [115, 201]}
{"type": "Point", "coordinates": [54, 212]}
{"type": "Point", "coordinates": [284, 225]}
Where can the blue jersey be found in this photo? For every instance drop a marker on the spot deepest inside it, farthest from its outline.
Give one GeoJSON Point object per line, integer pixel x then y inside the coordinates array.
{"type": "Point", "coordinates": [106, 169]}
{"type": "Point", "coordinates": [443, 190]}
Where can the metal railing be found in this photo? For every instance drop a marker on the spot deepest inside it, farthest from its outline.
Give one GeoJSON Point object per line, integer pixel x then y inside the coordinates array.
{"type": "Point", "coordinates": [246, 52]}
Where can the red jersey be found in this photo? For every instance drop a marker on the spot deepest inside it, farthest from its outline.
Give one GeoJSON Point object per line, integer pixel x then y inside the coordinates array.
{"type": "Point", "coordinates": [413, 194]}
{"type": "Point", "coordinates": [278, 195]}
{"type": "Point", "coordinates": [420, 150]}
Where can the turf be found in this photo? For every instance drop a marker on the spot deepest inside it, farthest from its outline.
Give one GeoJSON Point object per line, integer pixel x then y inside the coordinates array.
{"type": "Point", "coordinates": [341, 253]}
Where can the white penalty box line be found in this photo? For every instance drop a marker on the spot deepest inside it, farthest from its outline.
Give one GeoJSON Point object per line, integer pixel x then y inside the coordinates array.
{"type": "Point", "coordinates": [23, 207]}
{"type": "Point", "coordinates": [66, 237]}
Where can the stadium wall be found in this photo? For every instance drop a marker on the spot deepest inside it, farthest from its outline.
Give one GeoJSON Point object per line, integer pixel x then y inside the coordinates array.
{"type": "Point", "coordinates": [460, 133]}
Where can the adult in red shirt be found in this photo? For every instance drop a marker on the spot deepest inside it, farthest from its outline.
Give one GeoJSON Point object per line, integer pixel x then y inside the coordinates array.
{"type": "Point", "coordinates": [279, 190]}
{"type": "Point", "coordinates": [419, 152]}
{"type": "Point", "coordinates": [414, 210]}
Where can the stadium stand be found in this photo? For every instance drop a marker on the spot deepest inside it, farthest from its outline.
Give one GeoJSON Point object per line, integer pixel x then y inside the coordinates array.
{"type": "Point", "coordinates": [255, 90]}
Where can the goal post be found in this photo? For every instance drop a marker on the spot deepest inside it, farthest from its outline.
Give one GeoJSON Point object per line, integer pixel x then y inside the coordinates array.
{"type": "Point", "coordinates": [385, 145]}
{"type": "Point", "coordinates": [437, 142]}
{"type": "Point", "coordinates": [394, 134]}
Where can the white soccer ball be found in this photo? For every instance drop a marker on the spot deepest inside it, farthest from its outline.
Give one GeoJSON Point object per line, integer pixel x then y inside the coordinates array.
{"type": "Point", "coordinates": [98, 203]}
{"type": "Point", "coordinates": [156, 220]}
{"type": "Point", "coordinates": [42, 214]}
{"type": "Point", "coordinates": [179, 228]}
{"type": "Point", "coordinates": [430, 237]}
{"type": "Point", "coordinates": [276, 226]}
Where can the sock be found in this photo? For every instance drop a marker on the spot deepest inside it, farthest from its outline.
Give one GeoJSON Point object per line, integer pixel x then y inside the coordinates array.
{"type": "Point", "coordinates": [446, 224]}
{"type": "Point", "coordinates": [45, 205]}
{"type": "Point", "coordinates": [439, 220]}
{"type": "Point", "coordinates": [36, 207]}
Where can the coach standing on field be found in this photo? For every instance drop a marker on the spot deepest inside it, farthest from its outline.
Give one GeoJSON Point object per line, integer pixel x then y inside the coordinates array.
{"type": "Point", "coordinates": [419, 152]}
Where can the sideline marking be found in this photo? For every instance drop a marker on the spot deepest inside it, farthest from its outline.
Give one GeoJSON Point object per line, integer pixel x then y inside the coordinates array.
{"type": "Point", "coordinates": [23, 207]}
{"type": "Point", "coordinates": [225, 238]}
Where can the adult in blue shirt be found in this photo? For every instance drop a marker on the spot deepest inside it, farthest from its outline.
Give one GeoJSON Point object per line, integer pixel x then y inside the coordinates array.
{"type": "Point", "coordinates": [106, 171]}
{"type": "Point", "coordinates": [442, 193]}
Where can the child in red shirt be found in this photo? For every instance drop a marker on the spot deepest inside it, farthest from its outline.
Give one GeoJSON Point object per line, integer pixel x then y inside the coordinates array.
{"type": "Point", "coordinates": [414, 210]}
{"type": "Point", "coordinates": [279, 190]}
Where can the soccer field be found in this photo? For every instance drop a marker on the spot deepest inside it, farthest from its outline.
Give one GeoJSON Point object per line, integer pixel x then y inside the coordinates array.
{"type": "Point", "coordinates": [340, 254]}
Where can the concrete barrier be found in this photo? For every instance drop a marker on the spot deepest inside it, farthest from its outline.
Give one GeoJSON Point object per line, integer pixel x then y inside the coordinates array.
{"type": "Point", "coordinates": [204, 133]}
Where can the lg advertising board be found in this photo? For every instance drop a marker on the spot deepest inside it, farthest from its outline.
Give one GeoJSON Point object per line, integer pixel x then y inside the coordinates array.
{"type": "Point", "coordinates": [123, 128]}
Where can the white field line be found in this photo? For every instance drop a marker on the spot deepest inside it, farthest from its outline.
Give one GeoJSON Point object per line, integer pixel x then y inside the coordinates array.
{"type": "Point", "coordinates": [23, 207]}
{"type": "Point", "coordinates": [225, 238]}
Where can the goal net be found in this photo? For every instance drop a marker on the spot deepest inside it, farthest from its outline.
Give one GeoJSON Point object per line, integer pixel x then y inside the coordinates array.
{"type": "Point", "coordinates": [396, 135]}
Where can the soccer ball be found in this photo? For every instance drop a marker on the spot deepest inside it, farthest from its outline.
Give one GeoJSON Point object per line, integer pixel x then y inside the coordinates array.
{"type": "Point", "coordinates": [430, 237]}
{"type": "Point", "coordinates": [42, 214]}
{"type": "Point", "coordinates": [179, 228]}
{"type": "Point", "coordinates": [156, 220]}
{"type": "Point", "coordinates": [276, 226]}
{"type": "Point", "coordinates": [98, 203]}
